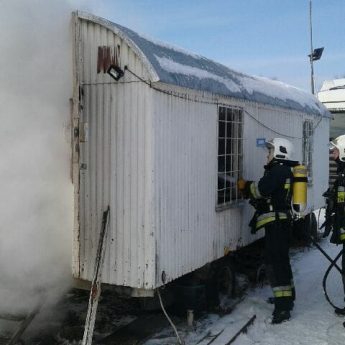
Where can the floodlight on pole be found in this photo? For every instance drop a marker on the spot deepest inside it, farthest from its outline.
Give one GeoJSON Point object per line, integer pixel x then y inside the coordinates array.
{"type": "Point", "coordinates": [316, 55]}
{"type": "Point", "coordinates": [115, 72]}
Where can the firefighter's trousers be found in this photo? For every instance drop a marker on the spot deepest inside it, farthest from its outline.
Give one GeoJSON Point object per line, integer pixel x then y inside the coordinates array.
{"type": "Point", "coordinates": [343, 267]}
{"type": "Point", "coordinates": [277, 261]}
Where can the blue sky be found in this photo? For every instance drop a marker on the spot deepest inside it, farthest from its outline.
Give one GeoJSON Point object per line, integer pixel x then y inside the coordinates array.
{"type": "Point", "coordinates": [267, 38]}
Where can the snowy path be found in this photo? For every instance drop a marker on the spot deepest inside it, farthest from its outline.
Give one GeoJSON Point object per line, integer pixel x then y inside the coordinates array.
{"type": "Point", "coordinates": [313, 320]}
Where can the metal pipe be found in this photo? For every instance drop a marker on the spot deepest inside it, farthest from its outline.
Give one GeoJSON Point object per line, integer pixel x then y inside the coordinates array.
{"type": "Point", "coordinates": [311, 49]}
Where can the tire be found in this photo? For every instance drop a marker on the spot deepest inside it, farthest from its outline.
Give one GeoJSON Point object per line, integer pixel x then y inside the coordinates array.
{"type": "Point", "coordinates": [226, 280]}
{"type": "Point", "coordinates": [311, 226]}
{"type": "Point", "coordinates": [305, 228]}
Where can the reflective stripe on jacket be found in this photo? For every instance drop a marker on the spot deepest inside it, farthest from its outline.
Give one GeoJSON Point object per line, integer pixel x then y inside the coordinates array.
{"type": "Point", "coordinates": [340, 194]}
{"type": "Point", "coordinates": [282, 291]}
{"type": "Point", "coordinates": [269, 217]}
{"type": "Point", "coordinates": [254, 191]}
{"type": "Point", "coordinates": [342, 234]}
{"type": "Point", "coordinates": [338, 235]}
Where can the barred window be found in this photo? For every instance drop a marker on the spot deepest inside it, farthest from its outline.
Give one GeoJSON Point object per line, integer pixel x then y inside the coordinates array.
{"type": "Point", "coordinates": [308, 133]}
{"type": "Point", "coordinates": [230, 155]}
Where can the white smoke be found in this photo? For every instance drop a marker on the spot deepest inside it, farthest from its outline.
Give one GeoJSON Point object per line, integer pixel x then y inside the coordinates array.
{"type": "Point", "coordinates": [36, 194]}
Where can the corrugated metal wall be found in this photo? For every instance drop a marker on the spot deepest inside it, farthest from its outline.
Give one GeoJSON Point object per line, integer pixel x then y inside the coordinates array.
{"type": "Point", "coordinates": [189, 233]}
{"type": "Point", "coordinates": [275, 123]}
{"type": "Point", "coordinates": [115, 165]}
{"type": "Point", "coordinates": [319, 162]}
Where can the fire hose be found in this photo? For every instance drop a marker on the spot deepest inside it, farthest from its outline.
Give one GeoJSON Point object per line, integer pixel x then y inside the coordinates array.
{"type": "Point", "coordinates": [333, 264]}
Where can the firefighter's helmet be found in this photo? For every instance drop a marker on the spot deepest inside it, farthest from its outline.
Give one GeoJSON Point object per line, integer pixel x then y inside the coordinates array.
{"type": "Point", "coordinates": [282, 148]}
{"type": "Point", "coordinates": [339, 143]}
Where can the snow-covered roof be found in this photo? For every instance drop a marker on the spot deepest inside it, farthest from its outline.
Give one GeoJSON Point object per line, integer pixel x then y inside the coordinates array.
{"type": "Point", "coordinates": [332, 95]}
{"type": "Point", "coordinates": [176, 66]}
{"type": "Point", "coordinates": [333, 84]}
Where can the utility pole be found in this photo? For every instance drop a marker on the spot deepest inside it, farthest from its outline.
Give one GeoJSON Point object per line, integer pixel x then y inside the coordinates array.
{"type": "Point", "coordinates": [311, 49]}
{"type": "Point", "coordinates": [315, 54]}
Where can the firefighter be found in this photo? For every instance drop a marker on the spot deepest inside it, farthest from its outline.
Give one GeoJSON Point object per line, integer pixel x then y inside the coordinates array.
{"type": "Point", "coordinates": [335, 199]}
{"type": "Point", "coordinates": [271, 197]}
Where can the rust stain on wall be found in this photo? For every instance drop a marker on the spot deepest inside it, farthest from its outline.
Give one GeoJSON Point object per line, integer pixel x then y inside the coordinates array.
{"type": "Point", "coordinates": [106, 57]}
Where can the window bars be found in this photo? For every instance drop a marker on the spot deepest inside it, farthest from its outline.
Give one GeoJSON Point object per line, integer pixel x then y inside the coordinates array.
{"type": "Point", "coordinates": [308, 133]}
{"type": "Point", "coordinates": [230, 154]}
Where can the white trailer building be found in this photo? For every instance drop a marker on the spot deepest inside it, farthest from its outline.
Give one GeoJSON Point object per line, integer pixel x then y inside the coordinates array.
{"type": "Point", "coordinates": [164, 145]}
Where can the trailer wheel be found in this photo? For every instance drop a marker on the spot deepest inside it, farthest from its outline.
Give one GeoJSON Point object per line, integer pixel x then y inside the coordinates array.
{"type": "Point", "coordinates": [226, 280]}
{"type": "Point", "coordinates": [311, 225]}
{"type": "Point", "coordinates": [304, 228]}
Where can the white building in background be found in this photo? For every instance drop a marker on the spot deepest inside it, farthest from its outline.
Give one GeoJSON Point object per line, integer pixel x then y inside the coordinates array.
{"type": "Point", "coordinates": [164, 145]}
{"type": "Point", "coordinates": [332, 95]}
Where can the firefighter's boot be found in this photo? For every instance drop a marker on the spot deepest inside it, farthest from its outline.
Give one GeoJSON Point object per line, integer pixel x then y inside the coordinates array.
{"type": "Point", "coordinates": [340, 311]}
{"type": "Point", "coordinates": [280, 316]}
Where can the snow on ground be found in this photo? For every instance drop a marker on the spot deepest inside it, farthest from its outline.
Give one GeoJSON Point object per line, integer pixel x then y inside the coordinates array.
{"type": "Point", "coordinates": [313, 320]}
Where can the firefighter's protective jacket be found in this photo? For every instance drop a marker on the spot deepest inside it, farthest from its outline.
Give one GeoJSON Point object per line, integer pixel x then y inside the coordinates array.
{"type": "Point", "coordinates": [337, 203]}
{"type": "Point", "coordinates": [271, 196]}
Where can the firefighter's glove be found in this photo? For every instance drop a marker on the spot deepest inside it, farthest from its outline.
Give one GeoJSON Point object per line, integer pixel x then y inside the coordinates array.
{"type": "Point", "coordinates": [241, 184]}
{"type": "Point", "coordinates": [243, 187]}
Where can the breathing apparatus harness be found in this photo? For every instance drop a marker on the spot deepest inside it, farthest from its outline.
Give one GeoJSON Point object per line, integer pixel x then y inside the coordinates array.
{"type": "Point", "coordinates": [296, 196]}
